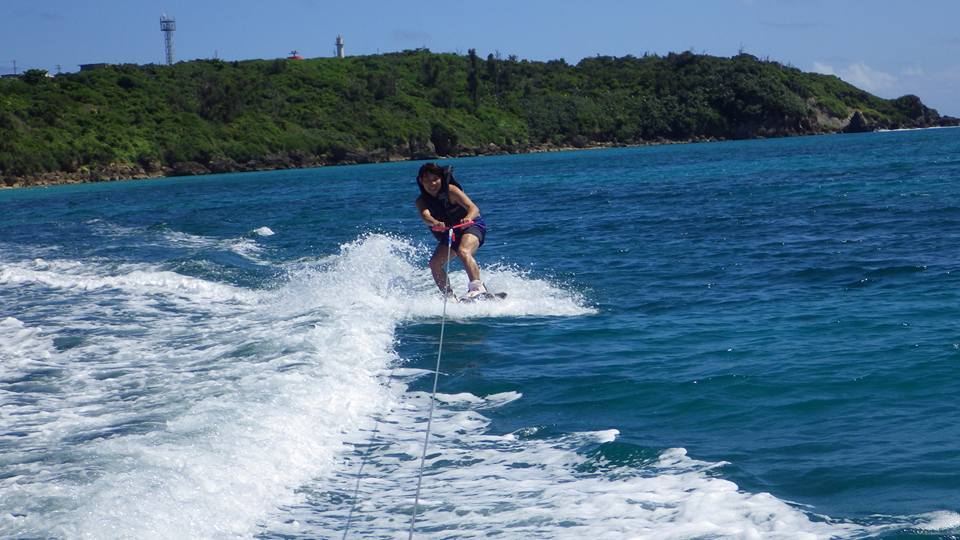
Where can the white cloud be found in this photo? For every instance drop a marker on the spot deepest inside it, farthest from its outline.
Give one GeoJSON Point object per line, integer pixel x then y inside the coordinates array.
{"type": "Point", "coordinates": [869, 79]}
{"type": "Point", "coordinates": [937, 87]}
{"type": "Point", "coordinates": [823, 69]}
{"type": "Point", "coordinates": [860, 75]}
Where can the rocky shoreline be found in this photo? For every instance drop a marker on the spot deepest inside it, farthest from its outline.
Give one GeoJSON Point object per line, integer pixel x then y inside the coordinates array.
{"type": "Point", "coordinates": [117, 172]}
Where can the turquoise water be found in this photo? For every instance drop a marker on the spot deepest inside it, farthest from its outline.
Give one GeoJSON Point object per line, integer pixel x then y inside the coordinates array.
{"type": "Point", "coordinates": [725, 340]}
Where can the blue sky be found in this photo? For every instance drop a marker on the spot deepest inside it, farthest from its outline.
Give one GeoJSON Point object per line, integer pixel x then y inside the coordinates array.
{"type": "Point", "coordinates": [887, 47]}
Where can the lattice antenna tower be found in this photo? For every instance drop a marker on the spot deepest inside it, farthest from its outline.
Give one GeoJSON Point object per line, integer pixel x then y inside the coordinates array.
{"type": "Point", "coordinates": [167, 26]}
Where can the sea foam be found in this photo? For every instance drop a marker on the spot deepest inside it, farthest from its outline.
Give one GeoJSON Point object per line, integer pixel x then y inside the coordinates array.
{"type": "Point", "coordinates": [477, 484]}
{"type": "Point", "coordinates": [184, 407]}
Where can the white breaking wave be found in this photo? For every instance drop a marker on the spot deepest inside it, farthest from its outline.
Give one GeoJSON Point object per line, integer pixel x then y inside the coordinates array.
{"type": "Point", "coordinates": [165, 237]}
{"type": "Point", "coordinates": [149, 404]}
{"type": "Point", "coordinates": [130, 279]}
{"type": "Point", "coordinates": [181, 407]}
{"type": "Point", "coordinates": [23, 346]}
{"type": "Point", "coordinates": [478, 485]}
{"type": "Point", "coordinates": [941, 521]}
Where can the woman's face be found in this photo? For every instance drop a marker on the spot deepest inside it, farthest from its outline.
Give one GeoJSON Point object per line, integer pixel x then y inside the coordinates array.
{"type": "Point", "coordinates": [431, 183]}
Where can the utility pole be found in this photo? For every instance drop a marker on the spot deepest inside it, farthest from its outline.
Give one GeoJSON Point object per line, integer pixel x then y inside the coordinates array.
{"type": "Point", "coordinates": [14, 67]}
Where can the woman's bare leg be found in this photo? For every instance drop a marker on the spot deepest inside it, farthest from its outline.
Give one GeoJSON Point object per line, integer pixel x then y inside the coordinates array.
{"type": "Point", "coordinates": [468, 246]}
{"type": "Point", "coordinates": [438, 263]}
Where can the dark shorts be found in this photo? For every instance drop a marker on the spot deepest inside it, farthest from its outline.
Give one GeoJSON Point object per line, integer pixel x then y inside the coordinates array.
{"type": "Point", "coordinates": [478, 229]}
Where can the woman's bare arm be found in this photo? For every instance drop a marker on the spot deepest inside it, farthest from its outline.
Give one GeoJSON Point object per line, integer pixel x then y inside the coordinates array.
{"type": "Point", "coordinates": [426, 216]}
{"type": "Point", "coordinates": [457, 196]}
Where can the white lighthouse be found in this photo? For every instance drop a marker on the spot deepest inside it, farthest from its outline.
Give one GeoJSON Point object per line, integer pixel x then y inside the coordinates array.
{"type": "Point", "coordinates": [339, 44]}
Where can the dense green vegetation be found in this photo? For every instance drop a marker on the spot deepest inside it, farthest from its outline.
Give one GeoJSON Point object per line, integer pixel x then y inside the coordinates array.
{"type": "Point", "coordinates": [220, 115]}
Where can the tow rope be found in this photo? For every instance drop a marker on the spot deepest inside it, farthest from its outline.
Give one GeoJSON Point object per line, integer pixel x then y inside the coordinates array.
{"type": "Point", "coordinates": [451, 238]}
{"type": "Point", "coordinates": [436, 376]}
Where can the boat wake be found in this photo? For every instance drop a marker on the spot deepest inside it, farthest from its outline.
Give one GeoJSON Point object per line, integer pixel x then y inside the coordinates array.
{"type": "Point", "coordinates": [136, 401]}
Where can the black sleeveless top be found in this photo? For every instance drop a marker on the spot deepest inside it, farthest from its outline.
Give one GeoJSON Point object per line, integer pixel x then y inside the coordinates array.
{"type": "Point", "coordinates": [441, 208]}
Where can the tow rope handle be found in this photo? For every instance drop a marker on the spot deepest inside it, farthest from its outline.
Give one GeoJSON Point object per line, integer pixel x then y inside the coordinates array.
{"type": "Point", "coordinates": [452, 236]}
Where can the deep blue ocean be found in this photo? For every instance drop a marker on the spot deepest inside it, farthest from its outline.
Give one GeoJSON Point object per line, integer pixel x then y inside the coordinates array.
{"type": "Point", "coordinates": [753, 339]}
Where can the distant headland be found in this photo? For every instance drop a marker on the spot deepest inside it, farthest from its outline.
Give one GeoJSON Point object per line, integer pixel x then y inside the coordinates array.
{"type": "Point", "coordinates": [211, 116]}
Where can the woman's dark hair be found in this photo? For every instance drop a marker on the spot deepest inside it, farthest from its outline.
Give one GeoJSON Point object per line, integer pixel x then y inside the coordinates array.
{"type": "Point", "coordinates": [444, 173]}
{"type": "Point", "coordinates": [433, 169]}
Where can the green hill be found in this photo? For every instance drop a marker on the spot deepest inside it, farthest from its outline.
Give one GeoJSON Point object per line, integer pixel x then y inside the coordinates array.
{"type": "Point", "coordinates": [202, 116]}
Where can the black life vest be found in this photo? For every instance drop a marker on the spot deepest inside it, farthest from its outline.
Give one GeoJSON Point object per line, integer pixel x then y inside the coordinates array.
{"type": "Point", "coordinates": [440, 206]}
